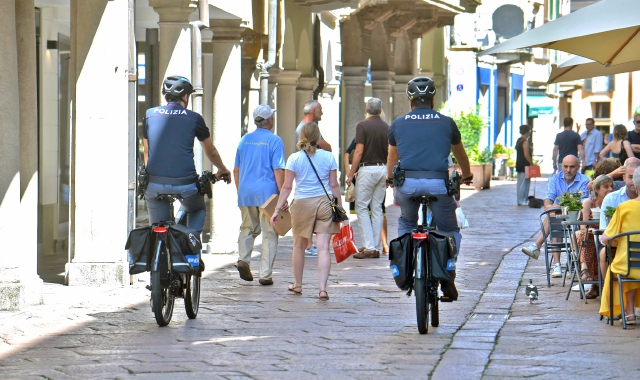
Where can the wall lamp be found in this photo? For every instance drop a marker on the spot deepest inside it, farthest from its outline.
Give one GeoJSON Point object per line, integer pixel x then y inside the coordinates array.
{"type": "Point", "coordinates": [52, 44]}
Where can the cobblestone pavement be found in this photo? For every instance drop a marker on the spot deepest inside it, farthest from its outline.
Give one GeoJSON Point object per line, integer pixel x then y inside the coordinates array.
{"type": "Point", "coordinates": [366, 330]}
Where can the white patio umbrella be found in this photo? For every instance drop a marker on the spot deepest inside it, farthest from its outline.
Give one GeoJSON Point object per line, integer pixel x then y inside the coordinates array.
{"type": "Point", "coordinates": [576, 67]}
{"type": "Point", "coordinates": [606, 32]}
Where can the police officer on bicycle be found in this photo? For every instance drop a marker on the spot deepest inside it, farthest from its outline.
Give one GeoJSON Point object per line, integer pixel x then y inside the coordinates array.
{"type": "Point", "coordinates": [169, 133]}
{"type": "Point", "coordinates": [422, 141]}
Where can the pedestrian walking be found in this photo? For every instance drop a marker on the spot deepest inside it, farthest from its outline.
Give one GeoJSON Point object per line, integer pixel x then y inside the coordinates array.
{"type": "Point", "coordinates": [258, 174]}
{"type": "Point", "coordinates": [567, 143]}
{"type": "Point", "coordinates": [312, 113]}
{"type": "Point", "coordinates": [369, 159]}
{"type": "Point", "coordinates": [315, 171]}
{"type": "Point", "coordinates": [592, 141]}
{"type": "Point", "coordinates": [523, 159]}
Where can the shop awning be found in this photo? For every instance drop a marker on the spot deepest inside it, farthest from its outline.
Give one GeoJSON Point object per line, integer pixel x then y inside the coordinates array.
{"type": "Point", "coordinates": [540, 105]}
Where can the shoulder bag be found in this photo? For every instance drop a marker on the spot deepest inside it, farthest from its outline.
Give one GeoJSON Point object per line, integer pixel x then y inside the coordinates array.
{"type": "Point", "coordinates": [339, 214]}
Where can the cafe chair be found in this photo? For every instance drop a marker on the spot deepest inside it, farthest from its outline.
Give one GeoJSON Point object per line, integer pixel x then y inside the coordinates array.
{"type": "Point", "coordinates": [633, 262]}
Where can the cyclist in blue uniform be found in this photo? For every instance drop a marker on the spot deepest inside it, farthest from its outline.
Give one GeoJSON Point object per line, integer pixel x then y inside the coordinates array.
{"type": "Point", "coordinates": [169, 133]}
{"type": "Point", "coordinates": [422, 141]}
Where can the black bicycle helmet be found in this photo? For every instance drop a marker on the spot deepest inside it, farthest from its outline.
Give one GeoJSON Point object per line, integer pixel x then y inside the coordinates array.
{"type": "Point", "coordinates": [177, 85]}
{"type": "Point", "coordinates": [421, 87]}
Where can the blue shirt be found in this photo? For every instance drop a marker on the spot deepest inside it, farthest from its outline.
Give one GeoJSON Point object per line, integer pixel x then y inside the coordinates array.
{"type": "Point", "coordinates": [259, 154]}
{"type": "Point", "coordinates": [557, 186]}
{"type": "Point", "coordinates": [612, 199]}
{"type": "Point", "coordinates": [592, 145]}
{"type": "Point", "coordinates": [423, 138]}
{"type": "Point", "coordinates": [170, 131]}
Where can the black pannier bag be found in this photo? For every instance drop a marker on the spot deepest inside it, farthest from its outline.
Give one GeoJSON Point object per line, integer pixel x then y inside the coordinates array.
{"type": "Point", "coordinates": [140, 246]}
{"type": "Point", "coordinates": [442, 250]}
{"type": "Point", "coordinates": [184, 243]}
{"type": "Point", "coordinates": [401, 261]}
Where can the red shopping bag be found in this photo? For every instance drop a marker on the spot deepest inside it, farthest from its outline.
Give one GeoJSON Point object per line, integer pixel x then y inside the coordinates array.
{"type": "Point", "coordinates": [532, 171]}
{"type": "Point", "coordinates": [344, 245]}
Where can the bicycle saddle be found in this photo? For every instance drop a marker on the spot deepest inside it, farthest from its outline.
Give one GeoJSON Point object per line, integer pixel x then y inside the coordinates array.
{"type": "Point", "coordinates": [168, 197]}
{"type": "Point", "coordinates": [424, 199]}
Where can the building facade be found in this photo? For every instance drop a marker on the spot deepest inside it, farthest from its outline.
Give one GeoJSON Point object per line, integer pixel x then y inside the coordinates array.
{"type": "Point", "coordinates": [84, 72]}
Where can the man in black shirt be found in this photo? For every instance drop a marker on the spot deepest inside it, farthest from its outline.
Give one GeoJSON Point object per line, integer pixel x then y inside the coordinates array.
{"type": "Point", "coordinates": [634, 136]}
{"type": "Point", "coordinates": [567, 143]}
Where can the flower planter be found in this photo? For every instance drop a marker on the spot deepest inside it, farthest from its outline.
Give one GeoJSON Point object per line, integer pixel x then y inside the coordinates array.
{"type": "Point", "coordinates": [481, 176]}
{"type": "Point", "coordinates": [573, 215]}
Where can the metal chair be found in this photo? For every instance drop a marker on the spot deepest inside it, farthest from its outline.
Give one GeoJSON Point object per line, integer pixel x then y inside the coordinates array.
{"type": "Point", "coordinates": [573, 260]}
{"type": "Point", "coordinates": [556, 231]}
{"type": "Point", "coordinates": [633, 262]}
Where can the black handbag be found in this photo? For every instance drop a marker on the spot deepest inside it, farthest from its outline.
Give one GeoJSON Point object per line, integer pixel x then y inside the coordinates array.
{"type": "Point", "coordinates": [442, 249]}
{"type": "Point", "coordinates": [401, 260]}
{"type": "Point", "coordinates": [338, 213]}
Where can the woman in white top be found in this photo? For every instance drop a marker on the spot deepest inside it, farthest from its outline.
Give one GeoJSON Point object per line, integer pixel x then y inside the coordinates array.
{"type": "Point", "coordinates": [311, 208]}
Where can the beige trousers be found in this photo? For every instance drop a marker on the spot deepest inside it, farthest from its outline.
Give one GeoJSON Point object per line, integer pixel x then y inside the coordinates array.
{"type": "Point", "coordinates": [253, 224]}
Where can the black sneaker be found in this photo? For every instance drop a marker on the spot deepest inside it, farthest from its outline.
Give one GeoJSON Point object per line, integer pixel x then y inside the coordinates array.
{"type": "Point", "coordinates": [449, 290]}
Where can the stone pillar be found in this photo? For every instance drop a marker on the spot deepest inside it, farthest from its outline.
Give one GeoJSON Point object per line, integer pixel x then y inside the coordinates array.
{"type": "Point", "coordinates": [304, 92]}
{"type": "Point", "coordinates": [11, 289]}
{"type": "Point", "coordinates": [440, 80]}
{"type": "Point", "coordinates": [381, 85]}
{"type": "Point", "coordinates": [99, 142]}
{"type": "Point", "coordinates": [287, 104]}
{"type": "Point", "coordinates": [353, 101]}
{"type": "Point", "coordinates": [28, 101]}
{"type": "Point", "coordinates": [226, 130]}
{"type": "Point", "coordinates": [250, 93]}
{"type": "Point", "coordinates": [274, 74]}
{"type": "Point", "coordinates": [174, 37]}
{"type": "Point", "coordinates": [400, 101]}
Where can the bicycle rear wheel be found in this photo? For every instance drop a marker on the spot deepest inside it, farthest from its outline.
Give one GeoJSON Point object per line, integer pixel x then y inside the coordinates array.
{"type": "Point", "coordinates": [420, 289]}
{"type": "Point", "coordinates": [161, 296]}
{"type": "Point", "coordinates": [192, 296]}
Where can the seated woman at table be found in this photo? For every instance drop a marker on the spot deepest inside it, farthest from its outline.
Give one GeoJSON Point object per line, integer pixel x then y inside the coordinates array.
{"type": "Point", "coordinates": [602, 186]}
{"type": "Point", "coordinates": [624, 220]}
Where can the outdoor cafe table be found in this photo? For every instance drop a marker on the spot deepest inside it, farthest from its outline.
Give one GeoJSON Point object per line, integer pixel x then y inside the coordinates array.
{"type": "Point", "coordinates": [571, 227]}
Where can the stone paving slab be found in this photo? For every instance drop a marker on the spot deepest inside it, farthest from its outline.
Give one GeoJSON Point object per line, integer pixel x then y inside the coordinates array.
{"type": "Point", "coordinates": [366, 330]}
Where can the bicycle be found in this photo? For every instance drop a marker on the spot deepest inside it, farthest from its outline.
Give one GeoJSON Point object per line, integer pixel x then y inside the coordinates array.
{"type": "Point", "coordinates": [167, 284]}
{"type": "Point", "coordinates": [424, 285]}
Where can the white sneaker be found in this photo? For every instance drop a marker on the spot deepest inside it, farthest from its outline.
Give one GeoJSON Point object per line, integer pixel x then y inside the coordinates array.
{"type": "Point", "coordinates": [311, 252]}
{"type": "Point", "coordinates": [576, 288]}
{"type": "Point", "coordinates": [532, 251]}
{"type": "Point", "coordinates": [557, 271]}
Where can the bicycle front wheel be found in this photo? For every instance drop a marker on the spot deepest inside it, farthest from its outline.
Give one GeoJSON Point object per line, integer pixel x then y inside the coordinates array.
{"type": "Point", "coordinates": [161, 296]}
{"type": "Point", "coordinates": [192, 296]}
{"type": "Point", "coordinates": [420, 289]}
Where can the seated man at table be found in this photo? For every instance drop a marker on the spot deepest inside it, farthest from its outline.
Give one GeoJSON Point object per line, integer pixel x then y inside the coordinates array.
{"type": "Point", "coordinates": [568, 180]}
{"type": "Point", "coordinates": [624, 220]}
{"type": "Point", "coordinates": [629, 191]}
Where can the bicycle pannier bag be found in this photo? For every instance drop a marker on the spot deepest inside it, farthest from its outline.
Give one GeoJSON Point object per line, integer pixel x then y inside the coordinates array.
{"type": "Point", "coordinates": [184, 247]}
{"type": "Point", "coordinates": [401, 261]}
{"type": "Point", "coordinates": [140, 246]}
{"type": "Point", "coordinates": [442, 249]}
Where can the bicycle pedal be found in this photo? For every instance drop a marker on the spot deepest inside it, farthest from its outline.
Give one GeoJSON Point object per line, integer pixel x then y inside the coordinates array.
{"type": "Point", "coordinates": [445, 299]}
{"type": "Point", "coordinates": [148, 287]}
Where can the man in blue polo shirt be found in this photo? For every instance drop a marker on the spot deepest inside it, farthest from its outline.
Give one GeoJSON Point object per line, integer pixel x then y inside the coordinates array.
{"type": "Point", "coordinates": [258, 174]}
{"type": "Point", "coordinates": [568, 180]}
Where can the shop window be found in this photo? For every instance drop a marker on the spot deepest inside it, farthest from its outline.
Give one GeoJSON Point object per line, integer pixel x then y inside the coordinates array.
{"type": "Point", "coordinates": [602, 110]}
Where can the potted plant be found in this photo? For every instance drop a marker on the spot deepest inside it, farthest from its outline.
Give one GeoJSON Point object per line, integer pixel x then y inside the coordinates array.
{"type": "Point", "coordinates": [572, 203]}
{"type": "Point", "coordinates": [471, 126]}
{"type": "Point", "coordinates": [608, 213]}
{"type": "Point", "coordinates": [499, 151]}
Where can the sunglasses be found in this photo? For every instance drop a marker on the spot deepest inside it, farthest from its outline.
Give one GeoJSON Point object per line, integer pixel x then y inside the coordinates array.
{"type": "Point", "coordinates": [637, 121]}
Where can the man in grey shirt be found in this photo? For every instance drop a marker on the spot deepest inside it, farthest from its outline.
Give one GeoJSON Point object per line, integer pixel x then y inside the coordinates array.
{"type": "Point", "coordinates": [312, 113]}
